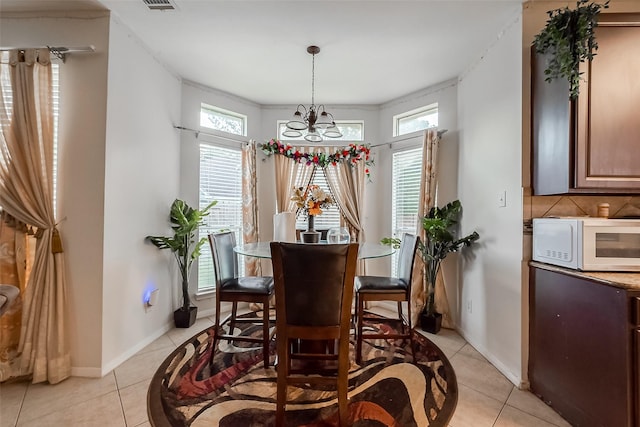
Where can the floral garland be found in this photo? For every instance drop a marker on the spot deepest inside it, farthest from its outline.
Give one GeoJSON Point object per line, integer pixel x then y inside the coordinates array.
{"type": "Point", "coordinates": [353, 154]}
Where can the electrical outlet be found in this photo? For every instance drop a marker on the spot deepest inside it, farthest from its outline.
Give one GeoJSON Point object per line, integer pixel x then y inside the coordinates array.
{"type": "Point", "coordinates": [469, 307]}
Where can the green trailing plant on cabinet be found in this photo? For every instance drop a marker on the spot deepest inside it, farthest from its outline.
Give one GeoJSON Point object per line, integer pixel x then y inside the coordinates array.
{"type": "Point", "coordinates": [569, 39]}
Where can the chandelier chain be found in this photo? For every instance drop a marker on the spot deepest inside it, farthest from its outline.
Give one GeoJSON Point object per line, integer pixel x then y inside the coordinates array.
{"type": "Point", "coordinates": [313, 78]}
{"type": "Point", "coordinates": [315, 120]}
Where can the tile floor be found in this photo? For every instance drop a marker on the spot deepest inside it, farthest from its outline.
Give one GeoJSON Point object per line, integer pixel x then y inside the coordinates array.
{"type": "Point", "coordinates": [486, 397]}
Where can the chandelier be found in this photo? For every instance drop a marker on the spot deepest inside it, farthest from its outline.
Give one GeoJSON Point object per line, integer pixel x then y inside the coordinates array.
{"type": "Point", "coordinates": [314, 118]}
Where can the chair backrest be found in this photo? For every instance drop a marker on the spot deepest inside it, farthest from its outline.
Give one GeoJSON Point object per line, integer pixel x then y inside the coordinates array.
{"type": "Point", "coordinates": [225, 261]}
{"type": "Point", "coordinates": [313, 283]}
{"type": "Point", "coordinates": [407, 256]}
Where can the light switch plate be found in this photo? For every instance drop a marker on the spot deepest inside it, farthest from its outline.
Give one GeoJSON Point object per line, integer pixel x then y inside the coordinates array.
{"type": "Point", "coordinates": [502, 199]}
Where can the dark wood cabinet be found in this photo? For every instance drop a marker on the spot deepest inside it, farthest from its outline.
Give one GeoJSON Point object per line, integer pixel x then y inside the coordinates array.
{"type": "Point", "coordinates": [592, 144]}
{"type": "Point", "coordinates": [584, 348]}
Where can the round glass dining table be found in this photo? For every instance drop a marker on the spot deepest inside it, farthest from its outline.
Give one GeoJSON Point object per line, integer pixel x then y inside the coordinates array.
{"type": "Point", "coordinates": [365, 250]}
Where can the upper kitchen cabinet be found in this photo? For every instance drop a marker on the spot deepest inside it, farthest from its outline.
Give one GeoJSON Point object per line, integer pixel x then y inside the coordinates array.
{"type": "Point", "coordinates": [592, 144]}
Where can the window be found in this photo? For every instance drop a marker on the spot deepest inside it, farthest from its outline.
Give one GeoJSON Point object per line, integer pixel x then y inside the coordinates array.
{"type": "Point", "coordinates": [415, 120]}
{"type": "Point", "coordinates": [330, 217]}
{"type": "Point", "coordinates": [221, 180]}
{"type": "Point", "coordinates": [351, 131]}
{"type": "Point", "coordinates": [405, 195]}
{"type": "Point", "coordinates": [223, 120]}
{"type": "Point", "coordinates": [55, 85]}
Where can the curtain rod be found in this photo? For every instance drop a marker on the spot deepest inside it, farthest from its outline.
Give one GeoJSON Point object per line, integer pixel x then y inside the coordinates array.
{"type": "Point", "coordinates": [59, 52]}
{"type": "Point", "coordinates": [440, 133]}
{"type": "Point", "coordinates": [198, 132]}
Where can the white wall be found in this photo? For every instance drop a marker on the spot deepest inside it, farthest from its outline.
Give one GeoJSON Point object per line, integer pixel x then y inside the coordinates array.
{"type": "Point", "coordinates": [446, 96]}
{"type": "Point", "coordinates": [142, 178]}
{"type": "Point", "coordinates": [83, 95]}
{"type": "Point", "coordinates": [490, 144]}
{"type": "Point", "coordinates": [118, 173]}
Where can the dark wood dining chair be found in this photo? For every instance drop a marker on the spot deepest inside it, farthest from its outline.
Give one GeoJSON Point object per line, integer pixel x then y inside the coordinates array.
{"type": "Point", "coordinates": [314, 292]}
{"type": "Point", "coordinates": [234, 289]}
{"type": "Point", "coordinates": [378, 288]}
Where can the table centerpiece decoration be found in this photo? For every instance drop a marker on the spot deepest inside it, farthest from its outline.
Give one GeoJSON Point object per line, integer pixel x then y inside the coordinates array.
{"type": "Point", "coordinates": [311, 202]}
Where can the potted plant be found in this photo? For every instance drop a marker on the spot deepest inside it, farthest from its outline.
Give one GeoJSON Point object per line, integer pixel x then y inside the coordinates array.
{"type": "Point", "coordinates": [185, 221]}
{"type": "Point", "coordinates": [569, 39]}
{"type": "Point", "coordinates": [439, 242]}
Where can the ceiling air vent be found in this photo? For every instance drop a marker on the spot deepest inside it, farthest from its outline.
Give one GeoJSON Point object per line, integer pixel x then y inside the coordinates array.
{"type": "Point", "coordinates": [159, 4]}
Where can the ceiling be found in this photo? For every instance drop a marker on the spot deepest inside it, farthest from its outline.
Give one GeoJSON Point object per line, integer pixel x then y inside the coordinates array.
{"type": "Point", "coordinates": [371, 51]}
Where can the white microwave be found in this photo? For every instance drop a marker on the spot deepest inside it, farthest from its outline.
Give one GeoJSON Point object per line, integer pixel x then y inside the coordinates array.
{"type": "Point", "coordinates": [588, 244]}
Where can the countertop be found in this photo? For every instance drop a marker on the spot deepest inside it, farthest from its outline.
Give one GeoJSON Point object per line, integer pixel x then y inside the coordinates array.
{"type": "Point", "coordinates": [626, 280]}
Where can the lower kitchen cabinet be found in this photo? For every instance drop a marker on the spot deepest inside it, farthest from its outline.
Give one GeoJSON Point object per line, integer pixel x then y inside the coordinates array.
{"type": "Point", "coordinates": [584, 347]}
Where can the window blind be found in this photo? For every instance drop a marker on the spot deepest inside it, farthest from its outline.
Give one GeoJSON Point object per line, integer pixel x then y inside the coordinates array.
{"type": "Point", "coordinates": [405, 195]}
{"type": "Point", "coordinates": [7, 94]}
{"type": "Point", "coordinates": [221, 180]}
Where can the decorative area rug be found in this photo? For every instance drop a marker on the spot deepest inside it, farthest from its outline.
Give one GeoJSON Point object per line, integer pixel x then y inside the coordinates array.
{"type": "Point", "coordinates": [388, 389]}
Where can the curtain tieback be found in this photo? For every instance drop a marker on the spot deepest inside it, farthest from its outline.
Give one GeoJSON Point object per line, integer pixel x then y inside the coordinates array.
{"type": "Point", "coordinates": [56, 242]}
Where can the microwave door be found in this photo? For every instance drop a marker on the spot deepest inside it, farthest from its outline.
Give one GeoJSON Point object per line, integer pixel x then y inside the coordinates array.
{"type": "Point", "coordinates": [611, 248]}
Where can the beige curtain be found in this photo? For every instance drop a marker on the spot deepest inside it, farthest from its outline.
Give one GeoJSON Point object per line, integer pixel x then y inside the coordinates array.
{"type": "Point", "coordinates": [346, 181]}
{"type": "Point", "coordinates": [250, 205]}
{"type": "Point", "coordinates": [428, 188]}
{"type": "Point", "coordinates": [290, 174]}
{"type": "Point", "coordinates": [26, 193]}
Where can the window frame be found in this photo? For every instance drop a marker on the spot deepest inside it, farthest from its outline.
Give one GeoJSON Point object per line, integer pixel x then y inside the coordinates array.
{"type": "Point", "coordinates": [411, 113]}
{"type": "Point", "coordinates": [224, 112]}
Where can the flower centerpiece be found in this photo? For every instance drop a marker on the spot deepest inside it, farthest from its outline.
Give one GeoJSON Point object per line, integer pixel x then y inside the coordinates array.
{"type": "Point", "coordinates": [311, 202]}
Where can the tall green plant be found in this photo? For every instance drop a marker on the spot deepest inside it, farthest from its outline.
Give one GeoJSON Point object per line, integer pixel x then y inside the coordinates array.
{"type": "Point", "coordinates": [569, 39]}
{"type": "Point", "coordinates": [185, 221]}
{"type": "Point", "coordinates": [440, 241]}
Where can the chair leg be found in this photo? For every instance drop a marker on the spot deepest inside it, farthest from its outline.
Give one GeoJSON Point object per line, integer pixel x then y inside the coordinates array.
{"type": "Point", "coordinates": [265, 333]}
{"type": "Point", "coordinates": [232, 319]}
{"type": "Point", "coordinates": [281, 391]}
{"type": "Point", "coordinates": [343, 402]}
{"type": "Point", "coordinates": [359, 309]}
{"type": "Point", "coordinates": [216, 330]}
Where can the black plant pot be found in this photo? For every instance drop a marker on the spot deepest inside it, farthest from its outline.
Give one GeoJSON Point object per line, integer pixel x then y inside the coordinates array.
{"type": "Point", "coordinates": [431, 322]}
{"type": "Point", "coordinates": [185, 318]}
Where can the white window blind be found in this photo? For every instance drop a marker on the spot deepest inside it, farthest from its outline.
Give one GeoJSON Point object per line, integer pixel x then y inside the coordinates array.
{"type": "Point", "coordinates": [330, 216]}
{"type": "Point", "coordinates": [405, 194]}
{"type": "Point", "coordinates": [7, 94]}
{"type": "Point", "coordinates": [221, 180]}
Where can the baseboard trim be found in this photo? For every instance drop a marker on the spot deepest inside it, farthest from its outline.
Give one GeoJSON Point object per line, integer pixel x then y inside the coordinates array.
{"type": "Point", "coordinates": [514, 378]}
{"type": "Point", "coordinates": [78, 371]}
